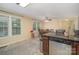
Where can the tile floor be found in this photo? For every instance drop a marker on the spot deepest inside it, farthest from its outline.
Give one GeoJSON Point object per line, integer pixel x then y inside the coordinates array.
{"type": "Point", "coordinates": [32, 47]}
{"type": "Point", "coordinates": [28, 47]}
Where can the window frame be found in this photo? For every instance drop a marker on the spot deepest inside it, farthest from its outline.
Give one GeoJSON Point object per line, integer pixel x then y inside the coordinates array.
{"type": "Point", "coordinates": [16, 26]}
{"type": "Point", "coordinates": [10, 25]}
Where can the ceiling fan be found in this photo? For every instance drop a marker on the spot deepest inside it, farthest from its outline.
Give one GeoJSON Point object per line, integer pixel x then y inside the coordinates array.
{"type": "Point", "coordinates": [47, 18]}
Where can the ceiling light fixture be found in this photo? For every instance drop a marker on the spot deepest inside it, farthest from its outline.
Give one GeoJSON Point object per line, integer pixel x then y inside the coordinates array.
{"type": "Point", "coordinates": [46, 21]}
{"type": "Point", "coordinates": [66, 19]}
{"type": "Point", "coordinates": [23, 4]}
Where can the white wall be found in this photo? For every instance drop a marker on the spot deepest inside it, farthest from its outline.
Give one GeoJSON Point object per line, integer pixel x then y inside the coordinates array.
{"type": "Point", "coordinates": [76, 22]}
{"type": "Point", "coordinates": [67, 24]}
{"type": "Point", "coordinates": [26, 26]}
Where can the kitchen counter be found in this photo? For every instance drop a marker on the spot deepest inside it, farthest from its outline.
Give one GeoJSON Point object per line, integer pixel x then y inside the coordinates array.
{"type": "Point", "coordinates": [71, 40]}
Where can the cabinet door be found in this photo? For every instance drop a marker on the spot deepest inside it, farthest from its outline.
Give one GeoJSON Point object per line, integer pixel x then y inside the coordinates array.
{"type": "Point", "coordinates": [74, 48]}
{"type": "Point", "coordinates": [77, 50]}
{"type": "Point", "coordinates": [45, 46]}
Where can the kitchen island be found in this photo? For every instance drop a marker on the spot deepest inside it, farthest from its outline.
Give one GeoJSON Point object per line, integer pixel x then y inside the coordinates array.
{"type": "Point", "coordinates": [69, 40]}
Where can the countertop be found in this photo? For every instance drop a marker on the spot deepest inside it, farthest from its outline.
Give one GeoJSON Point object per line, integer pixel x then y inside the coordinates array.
{"type": "Point", "coordinates": [70, 38]}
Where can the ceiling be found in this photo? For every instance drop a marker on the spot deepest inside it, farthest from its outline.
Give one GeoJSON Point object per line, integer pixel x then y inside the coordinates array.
{"type": "Point", "coordinates": [39, 10]}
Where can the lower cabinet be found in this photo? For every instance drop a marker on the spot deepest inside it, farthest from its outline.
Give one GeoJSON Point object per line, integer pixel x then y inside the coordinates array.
{"type": "Point", "coordinates": [78, 49]}
{"type": "Point", "coordinates": [56, 48]}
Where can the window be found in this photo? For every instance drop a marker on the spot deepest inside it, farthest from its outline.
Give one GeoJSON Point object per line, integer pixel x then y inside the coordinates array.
{"type": "Point", "coordinates": [3, 26]}
{"type": "Point", "coordinates": [16, 29]}
{"type": "Point", "coordinates": [36, 26]}
{"type": "Point", "coordinates": [9, 26]}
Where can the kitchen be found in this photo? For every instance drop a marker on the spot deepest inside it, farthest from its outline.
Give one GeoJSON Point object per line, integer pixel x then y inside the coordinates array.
{"type": "Point", "coordinates": [51, 28]}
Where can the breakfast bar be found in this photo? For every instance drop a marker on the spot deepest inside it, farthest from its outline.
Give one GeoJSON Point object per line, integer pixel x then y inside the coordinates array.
{"type": "Point", "coordinates": [69, 40]}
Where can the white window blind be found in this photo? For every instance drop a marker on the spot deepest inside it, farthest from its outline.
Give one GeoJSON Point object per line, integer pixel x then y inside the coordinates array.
{"type": "Point", "coordinates": [9, 26]}
{"type": "Point", "coordinates": [3, 26]}
{"type": "Point", "coordinates": [16, 28]}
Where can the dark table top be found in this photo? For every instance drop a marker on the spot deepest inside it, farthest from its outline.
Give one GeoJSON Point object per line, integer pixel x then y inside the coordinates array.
{"type": "Point", "coordinates": [72, 38]}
